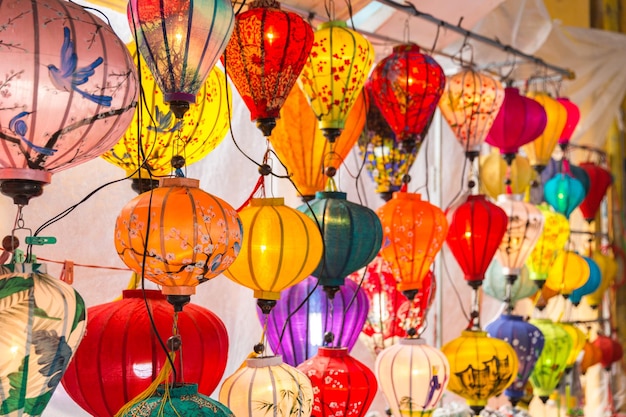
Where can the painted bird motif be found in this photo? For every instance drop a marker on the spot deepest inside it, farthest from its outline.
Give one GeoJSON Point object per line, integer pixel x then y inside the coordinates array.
{"type": "Point", "coordinates": [18, 126]}
{"type": "Point", "coordinates": [68, 77]}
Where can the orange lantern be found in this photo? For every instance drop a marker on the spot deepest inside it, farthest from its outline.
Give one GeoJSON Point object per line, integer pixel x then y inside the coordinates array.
{"type": "Point", "coordinates": [592, 355]}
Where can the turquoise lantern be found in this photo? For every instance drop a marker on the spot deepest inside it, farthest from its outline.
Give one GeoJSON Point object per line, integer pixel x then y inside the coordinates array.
{"type": "Point", "coordinates": [592, 284]}
{"type": "Point", "coordinates": [564, 193]}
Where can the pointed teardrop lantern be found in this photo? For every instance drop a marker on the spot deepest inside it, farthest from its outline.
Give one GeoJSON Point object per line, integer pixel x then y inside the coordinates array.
{"type": "Point", "coordinates": [573, 117]}
{"type": "Point", "coordinates": [568, 272]}
{"type": "Point", "coordinates": [591, 285]}
{"type": "Point", "coordinates": [592, 355]}
{"type": "Point", "coordinates": [265, 56]}
{"type": "Point", "coordinates": [600, 180]}
{"type": "Point", "coordinates": [564, 193]}
{"type": "Point", "coordinates": [181, 41]}
{"type": "Point", "coordinates": [494, 173]}
{"type": "Point", "coordinates": [553, 359]}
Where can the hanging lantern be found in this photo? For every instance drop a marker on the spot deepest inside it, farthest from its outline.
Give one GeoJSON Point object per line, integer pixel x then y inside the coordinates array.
{"type": "Point", "coordinates": [470, 104]}
{"type": "Point", "coordinates": [526, 340]}
{"type": "Point", "coordinates": [194, 236]}
{"type": "Point", "coordinates": [42, 321]}
{"type": "Point", "coordinates": [611, 349]}
{"type": "Point", "coordinates": [281, 247]}
{"type": "Point", "coordinates": [412, 377]}
{"type": "Point", "coordinates": [571, 121]}
{"type": "Point", "coordinates": [519, 121]}
{"type": "Point", "coordinates": [553, 359]}
{"type": "Point", "coordinates": [495, 284]}
{"type": "Point", "coordinates": [302, 147]}
{"type": "Point", "coordinates": [578, 343]}
{"type": "Point", "coordinates": [352, 236]}
{"type": "Point", "coordinates": [407, 86]}
{"type": "Point", "coordinates": [476, 230]}
{"type": "Point", "coordinates": [591, 285]}
{"type": "Point", "coordinates": [68, 95]}
{"type": "Point", "coordinates": [120, 355]}
{"type": "Point", "coordinates": [267, 385]}
{"type": "Point", "coordinates": [600, 180]}
{"type": "Point", "coordinates": [541, 298]}
{"type": "Point", "coordinates": [568, 272]}
{"type": "Point", "coordinates": [264, 58]}
{"type": "Point", "coordinates": [540, 150]}
{"type": "Point", "coordinates": [494, 172]}
{"type": "Point", "coordinates": [608, 270]}
{"type": "Point", "coordinates": [304, 317]}
{"type": "Point", "coordinates": [592, 355]}
{"type": "Point", "coordinates": [335, 73]}
{"type": "Point", "coordinates": [181, 42]}
{"type": "Point", "coordinates": [342, 386]}
{"type": "Point", "coordinates": [564, 193]}
{"type": "Point", "coordinates": [481, 367]}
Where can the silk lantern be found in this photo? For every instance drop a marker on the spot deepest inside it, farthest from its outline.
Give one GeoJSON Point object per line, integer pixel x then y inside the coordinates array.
{"type": "Point", "coordinates": [591, 285]}
{"type": "Point", "coordinates": [42, 320]}
{"type": "Point", "coordinates": [608, 270]}
{"type": "Point", "coordinates": [120, 355]}
{"type": "Point", "coordinates": [335, 73]}
{"type": "Point", "coordinates": [68, 95]}
{"type": "Point", "coordinates": [592, 355]}
{"type": "Point", "coordinates": [481, 367]}
{"type": "Point", "coordinates": [406, 86]}
{"type": "Point", "coordinates": [571, 121]}
{"type": "Point", "coordinates": [541, 298]}
{"type": "Point", "coordinates": [600, 180]}
{"type": "Point", "coordinates": [342, 386]}
{"type": "Point", "coordinates": [495, 284]}
{"type": "Point", "coordinates": [412, 376]}
{"type": "Point", "coordinates": [578, 343]}
{"type": "Point", "coordinates": [264, 58]}
{"type": "Point", "coordinates": [193, 237]}
{"type": "Point", "coordinates": [611, 349]}
{"type": "Point", "coordinates": [564, 193]}
{"type": "Point", "coordinates": [494, 171]}
{"type": "Point", "coordinates": [296, 326]}
{"type": "Point", "coordinates": [470, 104]}
{"type": "Point", "coordinates": [552, 240]}
{"type": "Point", "coordinates": [181, 42]}
{"type": "Point", "coordinates": [553, 359]}
{"type": "Point", "coordinates": [281, 247]}
{"type": "Point", "coordinates": [568, 272]}
{"type": "Point", "coordinates": [527, 341]}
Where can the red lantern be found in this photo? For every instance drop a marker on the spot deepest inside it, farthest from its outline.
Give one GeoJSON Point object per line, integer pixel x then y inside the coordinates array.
{"type": "Point", "coordinates": [264, 58]}
{"type": "Point", "coordinates": [573, 117]}
{"type": "Point", "coordinates": [612, 350]}
{"type": "Point", "coordinates": [600, 180]}
{"type": "Point", "coordinates": [120, 355]}
{"type": "Point", "coordinates": [342, 386]}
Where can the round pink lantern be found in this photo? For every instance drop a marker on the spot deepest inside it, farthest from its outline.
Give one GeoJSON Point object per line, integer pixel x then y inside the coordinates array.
{"type": "Point", "coordinates": [67, 95]}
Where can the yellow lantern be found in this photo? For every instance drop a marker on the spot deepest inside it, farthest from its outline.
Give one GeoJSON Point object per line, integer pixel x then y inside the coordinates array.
{"type": "Point", "coordinates": [552, 241]}
{"type": "Point", "coordinates": [568, 272]}
{"type": "Point", "coordinates": [540, 150]}
{"type": "Point", "coordinates": [335, 73]}
{"type": "Point", "coordinates": [608, 271]}
{"type": "Point", "coordinates": [493, 173]}
{"type": "Point", "coordinates": [481, 367]}
{"type": "Point", "coordinates": [579, 339]}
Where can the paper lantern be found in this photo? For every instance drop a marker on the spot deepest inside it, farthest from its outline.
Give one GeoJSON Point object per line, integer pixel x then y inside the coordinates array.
{"type": "Point", "coordinates": [608, 270]}
{"type": "Point", "coordinates": [352, 235]}
{"type": "Point", "coordinates": [611, 349]}
{"type": "Point", "coordinates": [481, 367]}
{"type": "Point", "coordinates": [571, 121]}
{"type": "Point", "coordinates": [68, 95]}
{"type": "Point", "coordinates": [281, 247]}
{"type": "Point", "coordinates": [568, 272]}
{"type": "Point", "coordinates": [342, 386]}
{"type": "Point", "coordinates": [526, 340]}
{"type": "Point", "coordinates": [578, 343]}
{"type": "Point", "coordinates": [412, 376]}
{"type": "Point", "coordinates": [541, 298]}
{"type": "Point", "coordinates": [181, 42]}
{"type": "Point", "coordinates": [592, 355]}
{"type": "Point", "coordinates": [42, 321]}
{"type": "Point", "coordinates": [120, 355]}
{"type": "Point", "coordinates": [335, 73]}
{"type": "Point", "coordinates": [470, 104]}
{"type": "Point", "coordinates": [553, 359]}
{"type": "Point", "coordinates": [406, 86]}
{"type": "Point", "coordinates": [267, 385]}
{"type": "Point", "coordinates": [591, 285]}
{"type": "Point", "coordinates": [494, 172]}
{"type": "Point", "coordinates": [265, 56]}
{"type": "Point", "coordinates": [476, 229]}
{"type": "Point", "coordinates": [193, 236]}
{"type": "Point", "coordinates": [600, 180]}
{"type": "Point", "coordinates": [495, 284]}
{"type": "Point", "coordinates": [552, 240]}
{"type": "Point", "coordinates": [298, 324]}
{"type": "Point", "coordinates": [564, 193]}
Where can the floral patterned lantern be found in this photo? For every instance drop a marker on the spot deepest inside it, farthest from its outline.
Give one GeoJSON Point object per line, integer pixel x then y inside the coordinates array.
{"type": "Point", "coordinates": [591, 285]}
{"type": "Point", "coordinates": [553, 359]}
{"type": "Point", "coordinates": [573, 117]}
{"type": "Point", "coordinates": [495, 284]}
{"type": "Point", "coordinates": [494, 172]}
{"type": "Point", "coordinates": [564, 193]}
{"type": "Point", "coordinates": [600, 180]}
{"type": "Point", "coordinates": [568, 272]}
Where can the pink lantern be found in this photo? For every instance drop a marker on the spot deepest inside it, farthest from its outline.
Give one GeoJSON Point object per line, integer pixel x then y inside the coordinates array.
{"type": "Point", "coordinates": [573, 117]}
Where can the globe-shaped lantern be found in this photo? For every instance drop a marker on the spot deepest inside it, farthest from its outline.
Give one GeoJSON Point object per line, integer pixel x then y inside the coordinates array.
{"type": "Point", "coordinates": [406, 86]}
{"type": "Point", "coordinates": [181, 41]}
{"type": "Point", "coordinates": [193, 237]}
{"type": "Point", "coordinates": [571, 121]}
{"type": "Point", "coordinates": [526, 340]}
{"type": "Point", "coordinates": [568, 272]}
{"type": "Point", "coordinates": [608, 270]}
{"type": "Point", "coordinates": [591, 285]}
{"type": "Point", "coordinates": [494, 173]}
{"type": "Point", "coordinates": [600, 180]}
{"type": "Point", "coordinates": [42, 320]}
{"type": "Point", "coordinates": [495, 284]}
{"type": "Point", "coordinates": [342, 386]}
{"type": "Point", "coordinates": [132, 358]}
{"type": "Point", "coordinates": [470, 104]}
{"type": "Point", "coordinates": [579, 338]}
{"type": "Point", "coordinates": [335, 73]}
{"type": "Point", "coordinates": [564, 193]}
{"type": "Point", "coordinates": [68, 95]}
{"type": "Point", "coordinates": [476, 229]}
{"type": "Point", "coordinates": [611, 349]}
{"type": "Point", "coordinates": [592, 355]}
{"type": "Point", "coordinates": [412, 376]}
{"type": "Point", "coordinates": [481, 367]}
{"type": "Point", "coordinates": [265, 56]}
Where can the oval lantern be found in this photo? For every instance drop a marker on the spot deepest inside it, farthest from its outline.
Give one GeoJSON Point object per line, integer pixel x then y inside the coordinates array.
{"type": "Point", "coordinates": [600, 180]}
{"type": "Point", "coordinates": [608, 270]}
{"type": "Point", "coordinates": [69, 94]}
{"type": "Point", "coordinates": [592, 355]}
{"type": "Point", "coordinates": [120, 355]}
{"type": "Point", "coordinates": [495, 284]}
{"type": "Point", "coordinates": [568, 272]}
{"type": "Point", "coordinates": [578, 343]}
{"type": "Point", "coordinates": [564, 193]}
{"type": "Point", "coordinates": [611, 349]}
{"type": "Point", "coordinates": [494, 172]}
{"type": "Point", "coordinates": [573, 117]}
{"type": "Point", "coordinates": [591, 285]}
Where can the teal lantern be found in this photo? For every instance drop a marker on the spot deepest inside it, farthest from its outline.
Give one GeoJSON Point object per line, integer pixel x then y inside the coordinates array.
{"type": "Point", "coordinates": [495, 284]}
{"type": "Point", "coordinates": [564, 193]}
{"type": "Point", "coordinates": [352, 236]}
{"type": "Point", "coordinates": [592, 284]}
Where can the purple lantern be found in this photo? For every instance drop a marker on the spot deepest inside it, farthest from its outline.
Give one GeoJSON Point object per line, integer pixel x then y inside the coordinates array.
{"type": "Point", "coordinates": [304, 322]}
{"type": "Point", "coordinates": [527, 340]}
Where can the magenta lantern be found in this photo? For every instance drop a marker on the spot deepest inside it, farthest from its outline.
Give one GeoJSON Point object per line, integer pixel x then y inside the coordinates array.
{"type": "Point", "coordinates": [573, 117]}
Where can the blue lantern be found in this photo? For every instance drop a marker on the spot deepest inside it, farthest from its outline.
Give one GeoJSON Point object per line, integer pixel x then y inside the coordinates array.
{"type": "Point", "coordinates": [592, 284]}
{"type": "Point", "coordinates": [564, 193]}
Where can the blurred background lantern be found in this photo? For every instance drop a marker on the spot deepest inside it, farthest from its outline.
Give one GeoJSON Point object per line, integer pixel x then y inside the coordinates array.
{"type": "Point", "coordinates": [554, 168]}
{"type": "Point", "coordinates": [571, 121]}
{"type": "Point", "coordinates": [56, 123]}
{"type": "Point", "coordinates": [470, 104]}
{"type": "Point", "coordinates": [608, 271]}
{"type": "Point", "coordinates": [564, 193]}
{"type": "Point", "coordinates": [342, 386]}
{"type": "Point", "coordinates": [297, 325]}
{"type": "Point", "coordinates": [578, 343]}
{"type": "Point", "coordinates": [495, 284]}
{"type": "Point", "coordinates": [592, 355]}
{"type": "Point", "coordinates": [181, 42]}
{"type": "Point", "coordinates": [612, 350]}
{"type": "Point", "coordinates": [120, 355]}
{"type": "Point", "coordinates": [42, 321]}
{"type": "Point", "coordinates": [267, 385]}
{"type": "Point", "coordinates": [194, 236]}
{"type": "Point", "coordinates": [494, 172]}
{"type": "Point", "coordinates": [600, 180]}
{"type": "Point", "coordinates": [412, 376]}
{"type": "Point", "coordinates": [540, 298]}
{"type": "Point", "coordinates": [568, 272]}
{"type": "Point", "coordinates": [335, 73]}
{"type": "Point", "coordinates": [406, 86]}
{"type": "Point", "coordinates": [281, 247]}
{"type": "Point", "coordinates": [590, 286]}
{"type": "Point", "coordinates": [264, 58]}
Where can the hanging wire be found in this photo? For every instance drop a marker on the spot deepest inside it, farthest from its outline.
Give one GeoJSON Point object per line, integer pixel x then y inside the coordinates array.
{"type": "Point", "coordinates": [454, 288]}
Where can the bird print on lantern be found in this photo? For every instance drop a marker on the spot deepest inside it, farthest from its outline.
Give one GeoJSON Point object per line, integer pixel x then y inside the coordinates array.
{"type": "Point", "coordinates": [68, 77]}
{"type": "Point", "coordinates": [18, 126]}
{"type": "Point", "coordinates": [163, 122]}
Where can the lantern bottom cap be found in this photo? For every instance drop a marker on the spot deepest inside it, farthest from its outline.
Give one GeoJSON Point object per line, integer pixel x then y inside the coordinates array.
{"type": "Point", "coordinates": [23, 184]}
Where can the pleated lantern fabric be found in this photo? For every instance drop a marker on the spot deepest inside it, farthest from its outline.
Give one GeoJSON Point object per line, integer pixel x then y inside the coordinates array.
{"type": "Point", "coordinates": [591, 285]}
{"type": "Point", "coordinates": [564, 193]}
{"type": "Point", "coordinates": [494, 171]}
{"type": "Point", "coordinates": [592, 355]}
{"type": "Point", "coordinates": [495, 284]}
{"type": "Point", "coordinates": [608, 271]}
{"type": "Point", "coordinates": [600, 180]}
{"type": "Point", "coordinates": [120, 355]}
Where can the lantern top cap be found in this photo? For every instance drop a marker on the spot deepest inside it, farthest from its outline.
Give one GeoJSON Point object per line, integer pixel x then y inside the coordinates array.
{"type": "Point", "coordinates": [275, 201]}
{"type": "Point", "coordinates": [480, 197]}
{"type": "Point", "coordinates": [332, 352]}
{"type": "Point", "coordinates": [333, 23]}
{"type": "Point", "coordinates": [407, 47]}
{"type": "Point", "coordinates": [339, 195]}
{"type": "Point", "coordinates": [401, 195]}
{"type": "Point", "coordinates": [412, 341]}
{"type": "Point", "coordinates": [269, 4]}
{"type": "Point", "coordinates": [262, 362]}
{"type": "Point", "coordinates": [179, 182]}
{"type": "Point", "coordinates": [474, 333]}
{"type": "Point", "coordinates": [149, 294]}
{"type": "Point", "coordinates": [509, 197]}
{"type": "Point", "coordinates": [179, 389]}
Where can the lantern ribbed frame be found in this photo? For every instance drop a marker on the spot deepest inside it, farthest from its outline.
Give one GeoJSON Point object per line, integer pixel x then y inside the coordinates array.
{"type": "Point", "coordinates": [552, 240]}
{"type": "Point", "coordinates": [568, 272]}
{"type": "Point", "coordinates": [591, 285]}
{"type": "Point", "coordinates": [495, 284]}
{"type": "Point", "coordinates": [494, 172]}
{"type": "Point", "coordinates": [608, 271]}
{"type": "Point", "coordinates": [600, 180]}
{"type": "Point", "coordinates": [564, 193]}
{"type": "Point", "coordinates": [573, 117]}
{"type": "Point", "coordinates": [553, 359]}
